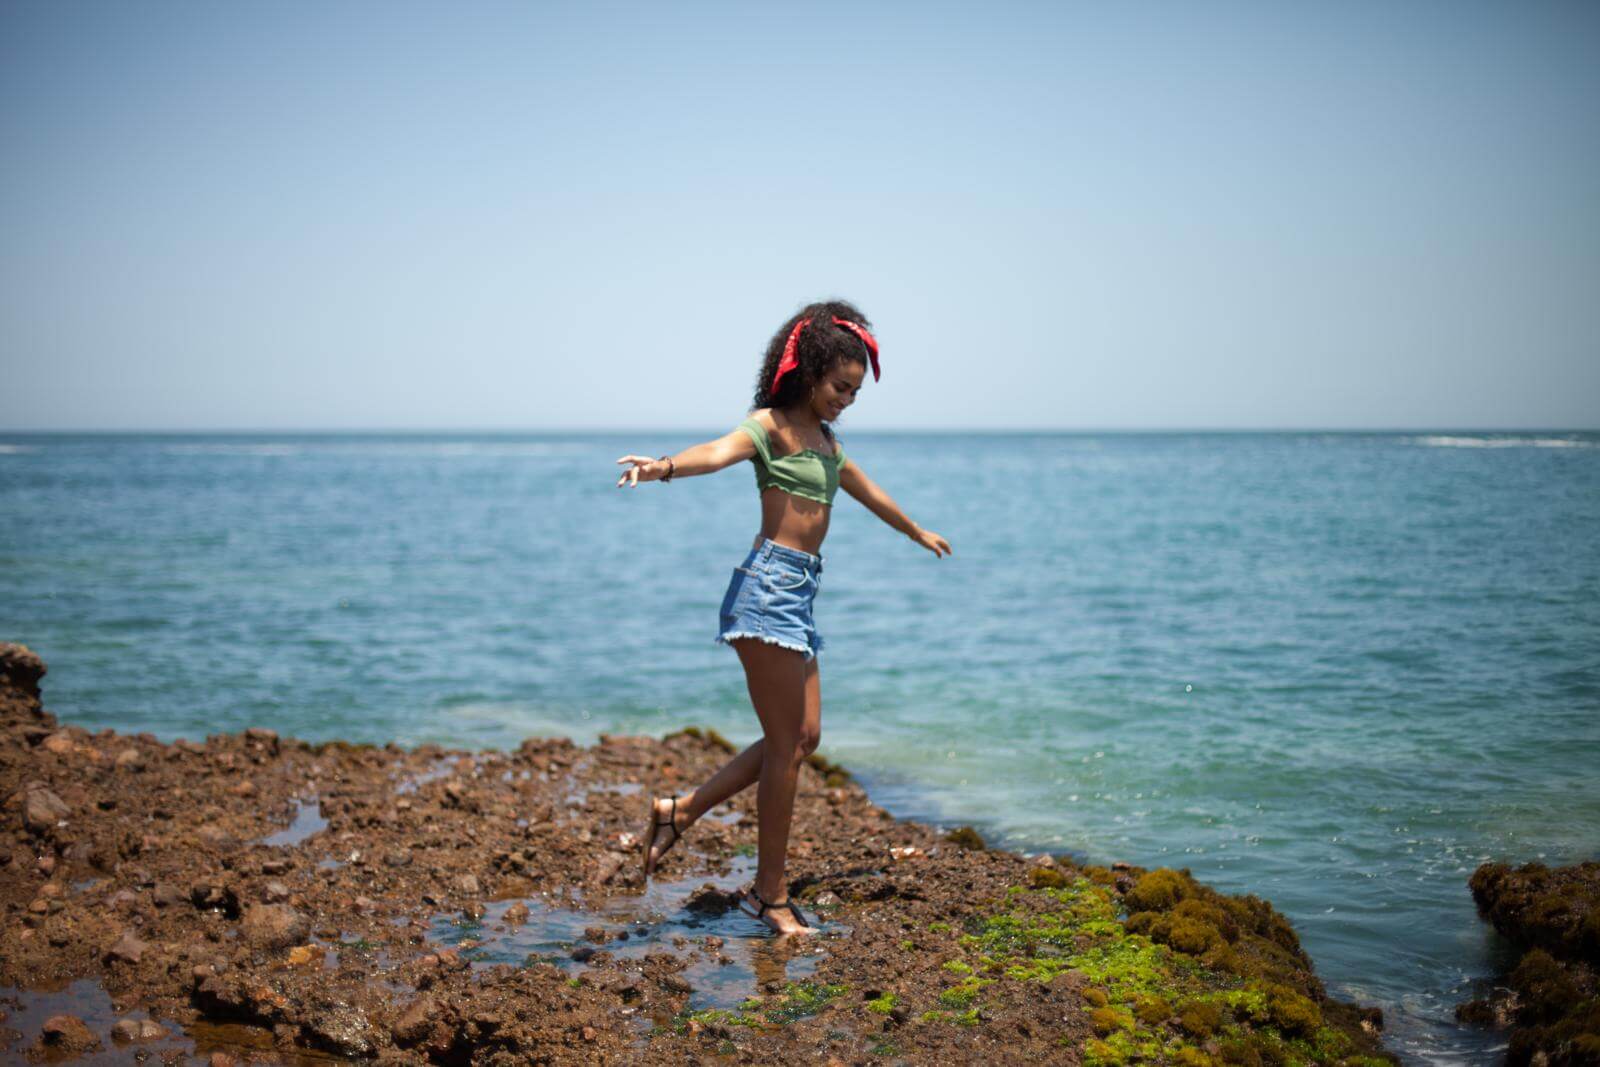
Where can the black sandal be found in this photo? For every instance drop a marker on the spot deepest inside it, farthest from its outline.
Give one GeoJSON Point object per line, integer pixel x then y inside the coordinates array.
{"type": "Point", "coordinates": [799, 916]}
{"type": "Point", "coordinates": [655, 825]}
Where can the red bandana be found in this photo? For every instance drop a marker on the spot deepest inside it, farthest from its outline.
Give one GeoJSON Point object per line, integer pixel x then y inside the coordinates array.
{"type": "Point", "coordinates": [789, 361]}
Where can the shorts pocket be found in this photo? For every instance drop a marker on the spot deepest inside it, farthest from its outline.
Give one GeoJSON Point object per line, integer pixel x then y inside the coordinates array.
{"type": "Point", "coordinates": [784, 577]}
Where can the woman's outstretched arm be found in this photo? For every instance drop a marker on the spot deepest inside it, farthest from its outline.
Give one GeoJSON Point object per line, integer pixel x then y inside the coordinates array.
{"type": "Point", "coordinates": [854, 480]}
{"type": "Point", "coordinates": [705, 458]}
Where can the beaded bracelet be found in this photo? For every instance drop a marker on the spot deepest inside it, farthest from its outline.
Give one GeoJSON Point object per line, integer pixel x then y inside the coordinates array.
{"type": "Point", "coordinates": [672, 468]}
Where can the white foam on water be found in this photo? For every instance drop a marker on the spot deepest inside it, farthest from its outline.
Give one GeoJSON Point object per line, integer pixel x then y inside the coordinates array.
{"type": "Point", "coordinates": [1434, 441]}
{"type": "Point", "coordinates": [11, 450]}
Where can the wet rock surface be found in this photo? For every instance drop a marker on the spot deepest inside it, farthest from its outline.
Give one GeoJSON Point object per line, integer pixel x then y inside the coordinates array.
{"type": "Point", "coordinates": [1549, 997]}
{"type": "Point", "coordinates": [256, 898]}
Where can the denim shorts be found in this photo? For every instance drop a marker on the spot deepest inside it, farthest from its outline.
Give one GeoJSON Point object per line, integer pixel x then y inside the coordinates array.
{"type": "Point", "coordinates": [770, 598]}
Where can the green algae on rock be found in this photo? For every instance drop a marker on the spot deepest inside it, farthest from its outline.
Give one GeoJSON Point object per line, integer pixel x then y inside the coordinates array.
{"type": "Point", "coordinates": [1262, 1006]}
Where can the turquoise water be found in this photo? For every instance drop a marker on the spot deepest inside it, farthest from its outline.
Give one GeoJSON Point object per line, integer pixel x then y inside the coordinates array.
{"type": "Point", "coordinates": [1335, 670]}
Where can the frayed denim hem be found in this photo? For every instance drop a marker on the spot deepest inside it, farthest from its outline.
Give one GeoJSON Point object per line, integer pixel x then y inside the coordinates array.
{"type": "Point", "coordinates": [728, 639]}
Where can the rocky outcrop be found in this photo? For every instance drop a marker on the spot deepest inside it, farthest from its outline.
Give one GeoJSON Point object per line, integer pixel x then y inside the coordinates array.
{"type": "Point", "coordinates": [1550, 998]}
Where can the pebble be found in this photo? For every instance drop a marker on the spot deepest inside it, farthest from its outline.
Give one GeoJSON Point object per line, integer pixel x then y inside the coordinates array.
{"type": "Point", "coordinates": [42, 811]}
{"type": "Point", "coordinates": [67, 1033]}
{"type": "Point", "coordinates": [138, 1030]}
{"type": "Point", "coordinates": [128, 949]}
{"type": "Point", "coordinates": [273, 925]}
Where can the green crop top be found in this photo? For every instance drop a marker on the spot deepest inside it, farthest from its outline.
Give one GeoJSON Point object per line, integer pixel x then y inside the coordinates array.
{"type": "Point", "coordinates": [807, 473]}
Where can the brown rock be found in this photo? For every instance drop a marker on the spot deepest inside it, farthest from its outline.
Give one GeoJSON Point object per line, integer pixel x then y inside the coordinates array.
{"type": "Point", "coordinates": [415, 1022]}
{"type": "Point", "coordinates": [20, 670]}
{"type": "Point", "coordinates": [274, 892]}
{"type": "Point", "coordinates": [260, 737]}
{"type": "Point", "coordinates": [301, 955]}
{"type": "Point", "coordinates": [468, 884]}
{"type": "Point", "coordinates": [517, 914]}
{"type": "Point", "coordinates": [42, 812]}
{"type": "Point", "coordinates": [214, 896]}
{"type": "Point", "coordinates": [130, 759]}
{"type": "Point", "coordinates": [128, 949]}
{"type": "Point", "coordinates": [610, 864]}
{"type": "Point", "coordinates": [67, 1033]}
{"type": "Point", "coordinates": [138, 1030]}
{"type": "Point", "coordinates": [271, 926]}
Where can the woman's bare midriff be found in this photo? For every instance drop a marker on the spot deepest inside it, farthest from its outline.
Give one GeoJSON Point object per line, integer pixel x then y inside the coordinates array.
{"type": "Point", "coordinates": [793, 521]}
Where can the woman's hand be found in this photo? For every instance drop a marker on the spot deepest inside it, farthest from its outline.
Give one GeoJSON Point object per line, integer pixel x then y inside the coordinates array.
{"type": "Point", "coordinates": [644, 469]}
{"type": "Point", "coordinates": [931, 541]}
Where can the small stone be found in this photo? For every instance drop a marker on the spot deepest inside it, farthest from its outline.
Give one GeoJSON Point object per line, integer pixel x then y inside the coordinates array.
{"type": "Point", "coordinates": [468, 884]}
{"type": "Point", "coordinates": [42, 811]}
{"type": "Point", "coordinates": [130, 759]}
{"type": "Point", "coordinates": [214, 896]}
{"type": "Point", "coordinates": [216, 837]}
{"type": "Point", "coordinates": [583, 952]}
{"type": "Point", "coordinates": [263, 738]}
{"type": "Point", "coordinates": [273, 926]}
{"type": "Point", "coordinates": [47, 865]}
{"type": "Point", "coordinates": [271, 867]}
{"type": "Point", "coordinates": [128, 949]}
{"type": "Point", "coordinates": [301, 955]}
{"type": "Point", "coordinates": [677, 983]}
{"type": "Point", "coordinates": [60, 743]}
{"type": "Point", "coordinates": [397, 857]}
{"type": "Point", "coordinates": [610, 864]}
{"type": "Point", "coordinates": [137, 1030]}
{"type": "Point", "coordinates": [67, 1033]}
{"type": "Point", "coordinates": [590, 1033]}
{"type": "Point", "coordinates": [517, 914]}
{"type": "Point", "coordinates": [415, 1022]}
{"type": "Point", "coordinates": [274, 892]}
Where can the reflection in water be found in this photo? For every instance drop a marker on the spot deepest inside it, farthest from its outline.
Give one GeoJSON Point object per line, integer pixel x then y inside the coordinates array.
{"type": "Point", "coordinates": [731, 957]}
{"type": "Point", "coordinates": [308, 820]}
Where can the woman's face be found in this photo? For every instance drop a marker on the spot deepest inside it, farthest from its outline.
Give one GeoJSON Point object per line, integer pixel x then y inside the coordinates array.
{"type": "Point", "coordinates": [838, 388]}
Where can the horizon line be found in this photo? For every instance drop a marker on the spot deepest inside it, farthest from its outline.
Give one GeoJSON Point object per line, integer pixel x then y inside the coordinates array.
{"type": "Point", "coordinates": [404, 431]}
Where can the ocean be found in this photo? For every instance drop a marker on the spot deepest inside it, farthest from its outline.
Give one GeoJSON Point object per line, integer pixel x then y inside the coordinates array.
{"type": "Point", "coordinates": [1336, 670]}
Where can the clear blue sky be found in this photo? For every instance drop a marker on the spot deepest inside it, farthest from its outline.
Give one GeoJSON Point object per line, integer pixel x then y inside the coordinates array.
{"type": "Point", "coordinates": [527, 216]}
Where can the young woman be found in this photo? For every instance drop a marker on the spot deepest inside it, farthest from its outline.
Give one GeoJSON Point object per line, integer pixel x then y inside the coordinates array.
{"type": "Point", "coordinates": [813, 369]}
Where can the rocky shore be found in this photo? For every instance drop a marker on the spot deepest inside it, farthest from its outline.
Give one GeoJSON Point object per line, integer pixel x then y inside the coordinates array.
{"type": "Point", "coordinates": [1549, 999]}
{"type": "Point", "coordinates": [254, 898]}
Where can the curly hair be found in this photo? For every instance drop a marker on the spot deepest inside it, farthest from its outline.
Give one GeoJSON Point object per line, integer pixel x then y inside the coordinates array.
{"type": "Point", "coordinates": [820, 344]}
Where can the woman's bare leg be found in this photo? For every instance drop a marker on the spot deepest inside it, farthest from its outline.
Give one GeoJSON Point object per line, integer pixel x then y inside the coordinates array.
{"type": "Point", "coordinates": [778, 681]}
{"type": "Point", "coordinates": [744, 769]}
